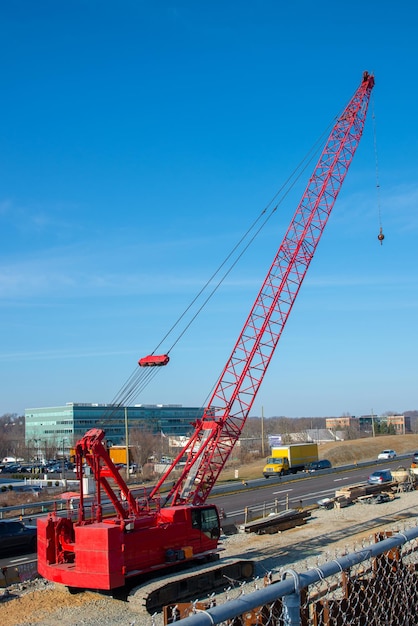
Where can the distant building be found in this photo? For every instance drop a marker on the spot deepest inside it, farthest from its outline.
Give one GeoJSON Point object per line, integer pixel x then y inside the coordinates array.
{"type": "Point", "coordinates": [398, 424]}
{"type": "Point", "coordinates": [367, 423]}
{"type": "Point", "coordinates": [345, 422]}
{"type": "Point", "coordinates": [62, 426]}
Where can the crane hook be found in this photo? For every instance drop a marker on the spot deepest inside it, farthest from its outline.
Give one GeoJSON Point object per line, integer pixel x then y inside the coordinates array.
{"type": "Point", "coordinates": [380, 236]}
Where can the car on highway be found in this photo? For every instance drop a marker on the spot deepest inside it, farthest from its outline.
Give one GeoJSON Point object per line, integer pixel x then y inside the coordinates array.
{"type": "Point", "coordinates": [318, 465]}
{"type": "Point", "coordinates": [15, 536]}
{"type": "Point", "coordinates": [27, 488]}
{"type": "Point", "coordinates": [387, 454]}
{"type": "Point", "coordinates": [415, 457]}
{"type": "Point", "coordinates": [379, 477]}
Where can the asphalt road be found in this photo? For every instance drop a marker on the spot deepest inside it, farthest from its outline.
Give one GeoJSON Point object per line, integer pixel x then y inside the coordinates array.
{"type": "Point", "coordinates": [17, 559]}
{"type": "Point", "coordinates": [275, 494]}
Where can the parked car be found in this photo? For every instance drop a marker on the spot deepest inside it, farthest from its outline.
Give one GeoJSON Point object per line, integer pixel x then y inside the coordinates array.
{"type": "Point", "coordinates": [387, 454]}
{"type": "Point", "coordinates": [379, 477]}
{"type": "Point", "coordinates": [11, 468]}
{"type": "Point", "coordinates": [318, 465]}
{"type": "Point", "coordinates": [57, 467]}
{"type": "Point", "coordinates": [16, 536]}
{"type": "Point", "coordinates": [415, 457]}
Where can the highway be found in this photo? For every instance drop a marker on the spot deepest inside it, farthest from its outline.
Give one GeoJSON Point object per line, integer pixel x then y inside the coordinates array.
{"type": "Point", "coordinates": [18, 560]}
{"type": "Point", "coordinates": [275, 494]}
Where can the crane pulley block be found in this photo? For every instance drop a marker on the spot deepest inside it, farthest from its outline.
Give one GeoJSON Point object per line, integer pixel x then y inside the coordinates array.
{"type": "Point", "coordinates": [153, 360]}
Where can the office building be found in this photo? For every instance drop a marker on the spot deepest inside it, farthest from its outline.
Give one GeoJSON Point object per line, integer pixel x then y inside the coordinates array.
{"type": "Point", "coordinates": [63, 426]}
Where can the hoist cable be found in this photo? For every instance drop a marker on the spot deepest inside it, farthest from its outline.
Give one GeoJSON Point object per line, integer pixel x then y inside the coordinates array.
{"type": "Point", "coordinates": [138, 380]}
{"type": "Point", "coordinates": [285, 190]}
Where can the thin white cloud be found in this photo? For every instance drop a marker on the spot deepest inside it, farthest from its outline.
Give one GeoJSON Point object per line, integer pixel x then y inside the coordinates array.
{"type": "Point", "coordinates": [401, 204]}
{"type": "Point", "coordinates": [46, 355]}
{"type": "Point", "coordinates": [5, 207]}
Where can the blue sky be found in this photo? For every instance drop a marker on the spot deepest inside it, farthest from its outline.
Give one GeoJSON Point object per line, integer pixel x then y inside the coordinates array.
{"type": "Point", "coordinates": [139, 142]}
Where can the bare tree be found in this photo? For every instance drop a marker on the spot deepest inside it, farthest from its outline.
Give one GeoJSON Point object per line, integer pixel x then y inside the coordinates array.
{"type": "Point", "coordinates": [12, 436]}
{"type": "Point", "coordinates": [144, 444]}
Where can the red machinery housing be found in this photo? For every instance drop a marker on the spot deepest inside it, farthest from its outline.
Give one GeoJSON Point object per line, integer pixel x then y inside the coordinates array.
{"type": "Point", "coordinates": [102, 552]}
{"type": "Point", "coordinates": [149, 533]}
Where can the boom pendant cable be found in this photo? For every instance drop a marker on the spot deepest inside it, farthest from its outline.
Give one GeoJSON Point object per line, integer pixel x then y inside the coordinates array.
{"type": "Point", "coordinates": [140, 377]}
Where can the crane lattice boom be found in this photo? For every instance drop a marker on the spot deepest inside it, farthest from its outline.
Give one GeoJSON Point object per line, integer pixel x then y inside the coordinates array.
{"type": "Point", "coordinates": [223, 420]}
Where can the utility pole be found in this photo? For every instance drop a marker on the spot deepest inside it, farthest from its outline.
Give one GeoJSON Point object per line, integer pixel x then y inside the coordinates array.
{"type": "Point", "coordinates": [127, 442]}
{"type": "Point", "coordinates": [262, 432]}
{"type": "Point", "coordinates": [373, 430]}
{"type": "Point", "coordinates": [64, 439]}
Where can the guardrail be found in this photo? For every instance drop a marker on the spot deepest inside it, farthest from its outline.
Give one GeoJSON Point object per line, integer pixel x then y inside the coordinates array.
{"type": "Point", "coordinates": [36, 508]}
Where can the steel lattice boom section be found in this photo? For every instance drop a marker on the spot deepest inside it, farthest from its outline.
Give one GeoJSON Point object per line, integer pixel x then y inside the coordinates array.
{"type": "Point", "coordinates": [231, 402]}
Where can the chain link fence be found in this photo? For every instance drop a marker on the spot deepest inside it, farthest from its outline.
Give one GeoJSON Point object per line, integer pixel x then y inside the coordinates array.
{"type": "Point", "coordinates": [377, 585]}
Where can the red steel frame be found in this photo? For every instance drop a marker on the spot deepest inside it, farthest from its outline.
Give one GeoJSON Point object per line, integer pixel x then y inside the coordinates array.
{"type": "Point", "coordinates": [92, 450]}
{"type": "Point", "coordinates": [223, 420]}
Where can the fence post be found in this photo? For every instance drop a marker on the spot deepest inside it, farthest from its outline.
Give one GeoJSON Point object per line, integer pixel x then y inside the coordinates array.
{"type": "Point", "coordinates": [291, 602]}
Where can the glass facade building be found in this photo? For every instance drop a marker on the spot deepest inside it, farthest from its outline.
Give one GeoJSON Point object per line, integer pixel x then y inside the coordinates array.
{"type": "Point", "coordinates": [63, 426]}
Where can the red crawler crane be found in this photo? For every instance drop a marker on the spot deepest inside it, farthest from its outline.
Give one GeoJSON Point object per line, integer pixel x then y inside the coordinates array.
{"type": "Point", "coordinates": [146, 534]}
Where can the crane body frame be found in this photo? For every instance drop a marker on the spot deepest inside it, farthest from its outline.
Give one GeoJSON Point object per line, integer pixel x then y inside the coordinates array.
{"type": "Point", "coordinates": [155, 529]}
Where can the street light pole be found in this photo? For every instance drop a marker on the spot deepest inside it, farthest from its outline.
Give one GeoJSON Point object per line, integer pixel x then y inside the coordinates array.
{"type": "Point", "coordinates": [127, 443]}
{"type": "Point", "coordinates": [63, 458]}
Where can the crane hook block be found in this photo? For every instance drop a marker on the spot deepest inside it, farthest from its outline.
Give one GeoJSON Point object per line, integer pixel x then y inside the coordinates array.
{"type": "Point", "coordinates": [380, 236]}
{"type": "Point", "coordinates": [153, 360]}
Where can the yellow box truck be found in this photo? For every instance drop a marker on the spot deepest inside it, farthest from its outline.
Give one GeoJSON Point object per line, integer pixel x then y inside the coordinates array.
{"type": "Point", "coordinates": [118, 454]}
{"type": "Point", "coordinates": [290, 459]}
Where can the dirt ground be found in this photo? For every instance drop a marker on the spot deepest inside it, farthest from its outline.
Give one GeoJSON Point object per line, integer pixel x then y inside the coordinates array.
{"type": "Point", "coordinates": [328, 534]}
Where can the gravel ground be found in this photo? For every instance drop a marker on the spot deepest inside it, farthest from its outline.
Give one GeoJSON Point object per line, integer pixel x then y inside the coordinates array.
{"type": "Point", "coordinates": [327, 535]}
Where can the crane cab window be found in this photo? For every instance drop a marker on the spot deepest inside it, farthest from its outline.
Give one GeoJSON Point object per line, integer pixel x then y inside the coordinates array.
{"type": "Point", "coordinates": [207, 521]}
